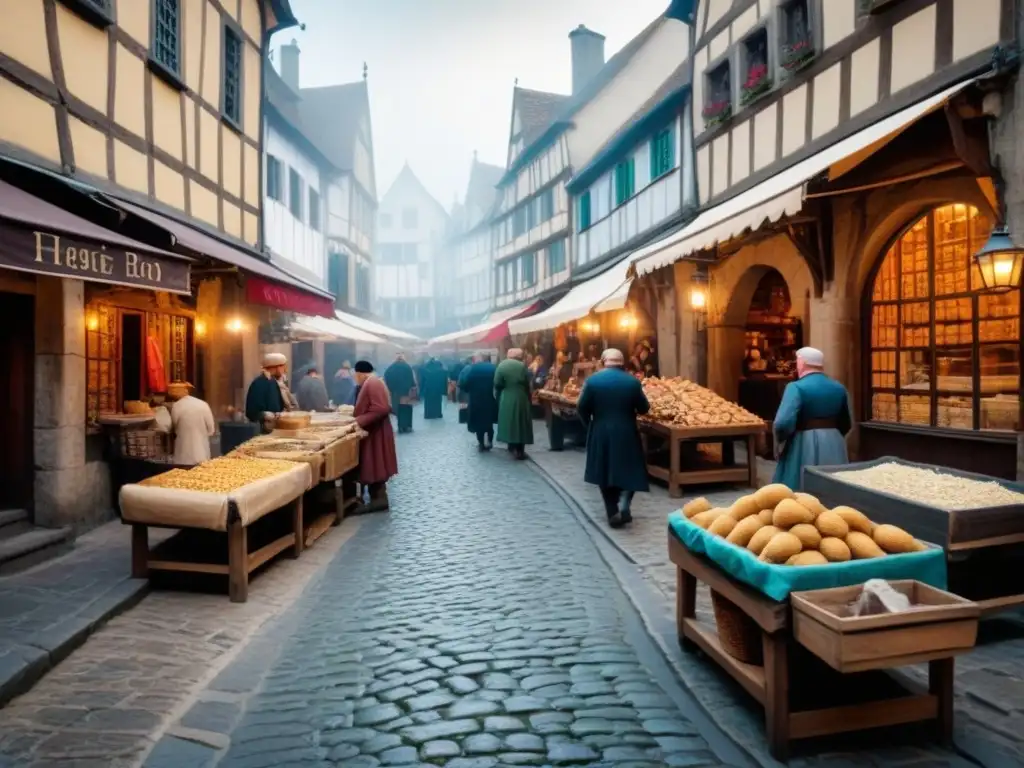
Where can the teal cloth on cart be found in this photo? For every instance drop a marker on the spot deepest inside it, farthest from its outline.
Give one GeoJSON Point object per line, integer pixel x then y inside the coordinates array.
{"type": "Point", "coordinates": [777, 581]}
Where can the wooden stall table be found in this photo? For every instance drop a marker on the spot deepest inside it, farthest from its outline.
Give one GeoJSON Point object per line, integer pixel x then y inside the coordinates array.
{"type": "Point", "coordinates": [562, 420]}
{"type": "Point", "coordinates": [684, 465]}
{"type": "Point", "coordinates": [879, 699]}
{"type": "Point", "coordinates": [336, 492]}
{"type": "Point", "coordinates": [235, 533]}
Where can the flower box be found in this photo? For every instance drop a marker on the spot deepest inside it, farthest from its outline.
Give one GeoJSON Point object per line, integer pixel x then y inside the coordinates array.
{"type": "Point", "coordinates": [758, 82]}
{"type": "Point", "coordinates": [796, 55]}
{"type": "Point", "coordinates": [717, 112]}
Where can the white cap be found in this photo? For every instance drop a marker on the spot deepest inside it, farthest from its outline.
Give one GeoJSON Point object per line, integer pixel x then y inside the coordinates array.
{"type": "Point", "coordinates": [273, 359]}
{"type": "Point", "coordinates": [811, 356]}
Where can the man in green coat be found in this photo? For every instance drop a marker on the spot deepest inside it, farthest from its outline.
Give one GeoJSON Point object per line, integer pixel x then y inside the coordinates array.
{"type": "Point", "coordinates": [515, 419]}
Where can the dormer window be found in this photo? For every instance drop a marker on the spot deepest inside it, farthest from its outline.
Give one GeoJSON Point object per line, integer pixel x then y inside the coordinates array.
{"type": "Point", "coordinates": [757, 76]}
{"type": "Point", "coordinates": [718, 101]}
{"type": "Point", "coordinates": [796, 35]}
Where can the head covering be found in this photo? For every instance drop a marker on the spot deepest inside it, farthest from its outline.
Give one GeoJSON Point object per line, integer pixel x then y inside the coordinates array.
{"type": "Point", "coordinates": [274, 359]}
{"type": "Point", "coordinates": [346, 364]}
{"type": "Point", "coordinates": [364, 366]}
{"type": "Point", "coordinates": [613, 357]}
{"type": "Point", "coordinates": [811, 356]}
{"type": "Point", "coordinates": [515, 354]}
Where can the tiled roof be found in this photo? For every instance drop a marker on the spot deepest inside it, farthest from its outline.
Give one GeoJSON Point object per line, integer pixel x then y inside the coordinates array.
{"type": "Point", "coordinates": [483, 180]}
{"type": "Point", "coordinates": [537, 110]}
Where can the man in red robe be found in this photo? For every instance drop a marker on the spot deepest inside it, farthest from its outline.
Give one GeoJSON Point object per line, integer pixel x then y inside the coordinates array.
{"type": "Point", "coordinates": [378, 461]}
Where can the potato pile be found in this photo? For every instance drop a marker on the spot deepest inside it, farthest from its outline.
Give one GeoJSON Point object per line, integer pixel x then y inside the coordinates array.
{"type": "Point", "coordinates": [787, 528]}
{"type": "Point", "coordinates": [682, 403]}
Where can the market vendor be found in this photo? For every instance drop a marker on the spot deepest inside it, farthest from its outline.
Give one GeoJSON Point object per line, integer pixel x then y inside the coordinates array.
{"type": "Point", "coordinates": [311, 391]}
{"type": "Point", "coordinates": [609, 404]}
{"type": "Point", "coordinates": [265, 399]}
{"type": "Point", "coordinates": [192, 423]}
{"type": "Point", "coordinates": [812, 421]}
{"type": "Point", "coordinates": [378, 461]}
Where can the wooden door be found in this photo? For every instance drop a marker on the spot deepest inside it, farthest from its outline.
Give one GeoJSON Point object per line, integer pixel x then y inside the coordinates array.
{"type": "Point", "coordinates": [17, 401]}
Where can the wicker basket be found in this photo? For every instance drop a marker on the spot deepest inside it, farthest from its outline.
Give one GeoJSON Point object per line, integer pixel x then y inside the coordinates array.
{"type": "Point", "coordinates": [293, 420]}
{"type": "Point", "coordinates": [739, 635]}
{"type": "Point", "coordinates": [144, 444]}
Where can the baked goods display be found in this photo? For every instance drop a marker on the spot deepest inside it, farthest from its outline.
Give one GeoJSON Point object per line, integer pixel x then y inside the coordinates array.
{"type": "Point", "coordinates": [786, 528]}
{"type": "Point", "coordinates": [936, 489]}
{"type": "Point", "coordinates": [137, 408]}
{"type": "Point", "coordinates": [681, 403]}
{"type": "Point", "coordinates": [220, 475]}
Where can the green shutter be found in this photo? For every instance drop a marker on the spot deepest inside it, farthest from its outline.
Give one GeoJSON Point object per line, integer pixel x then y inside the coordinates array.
{"type": "Point", "coordinates": [624, 180]}
{"type": "Point", "coordinates": [584, 212]}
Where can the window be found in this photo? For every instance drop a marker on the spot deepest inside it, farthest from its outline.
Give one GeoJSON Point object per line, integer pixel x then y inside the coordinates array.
{"type": "Point", "coordinates": [556, 257]}
{"type": "Point", "coordinates": [337, 277]}
{"type": "Point", "coordinates": [98, 12]}
{"type": "Point", "coordinates": [944, 351]}
{"type": "Point", "coordinates": [314, 209]}
{"type": "Point", "coordinates": [409, 251]}
{"type": "Point", "coordinates": [295, 193]}
{"type": "Point", "coordinates": [385, 220]}
{"type": "Point", "coordinates": [166, 49]}
{"type": "Point", "coordinates": [756, 74]}
{"type": "Point", "coordinates": [584, 205]}
{"type": "Point", "coordinates": [532, 214]}
{"type": "Point", "coordinates": [232, 86]}
{"type": "Point", "coordinates": [397, 253]}
{"type": "Point", "coordinates": [423, 270]}
{"type": "Point", "coordinates": [410, 219]}
{"type": "Point", "coordinates": [529, 269]}
{"type": "Point", "coordinates": [796, 35]}
{"type": "Point", "coordinates": [547, 204]}
{"type": "Point", "coordinates": [624, 181]}
{"type": "Point", "coordinates": [274, 186]}
{"type": "Point", "coordinates": [717, 94]}
{"type": "Point", "coordinates": [519, 224]}
{"type": "Point", "coordinates": [363, 286]}
{"type": "Point", "coordinates": [663, 151]}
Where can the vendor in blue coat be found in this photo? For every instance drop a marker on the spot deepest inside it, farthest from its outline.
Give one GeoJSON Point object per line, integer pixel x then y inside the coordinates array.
{"type": "Point", "coordinates": [477, 382]}
{"type": "Point", "coordinates": [812, 422]}
{"type": "Point", "coordinates": [609, 404]}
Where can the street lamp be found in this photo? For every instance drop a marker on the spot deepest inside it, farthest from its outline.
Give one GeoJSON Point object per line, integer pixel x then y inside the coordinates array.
{"type": "Point", "coordinates": [999, 261]}
{"type": "Point", "coordinates": [699, 289]}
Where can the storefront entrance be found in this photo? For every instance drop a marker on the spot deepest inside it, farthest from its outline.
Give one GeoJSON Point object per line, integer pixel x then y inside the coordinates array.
{"type": "Point", "coordinates": [17, 388]}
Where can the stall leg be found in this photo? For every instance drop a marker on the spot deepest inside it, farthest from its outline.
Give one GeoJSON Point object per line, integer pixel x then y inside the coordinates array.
{"type": "Point", "coordinates": [940, 685]}
{"type": "Point", "coordinates": [238, 562]}
{"type": "Point", "coordinates": [686, 605]}
{"type": "Point", "coordinates": [140, 551]}
{"type": "Point", "coordinates": [556, 433]}
{"type": "Point", "coordinates": [728, 453]}
{"type": "Point", "coordinates": [752, 459]}
{"type": "Point", "coordinates": [674, 490]}
{"type": "Point", "coordinates": [297, 527]}
{"type": "Point", "coordinates": [776, 700]}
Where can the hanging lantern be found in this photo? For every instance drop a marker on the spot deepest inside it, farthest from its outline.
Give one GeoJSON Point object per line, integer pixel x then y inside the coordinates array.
{"type": "Point", "coordinates": [699, 290]}
{"type": "Point", "coordinates": [999, 261]}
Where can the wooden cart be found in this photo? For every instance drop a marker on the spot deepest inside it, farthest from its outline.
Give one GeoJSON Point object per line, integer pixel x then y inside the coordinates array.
{"type": "Point", "coordinates": [879, 699]}
{"type": "Point", "coordinates": [684, 465]}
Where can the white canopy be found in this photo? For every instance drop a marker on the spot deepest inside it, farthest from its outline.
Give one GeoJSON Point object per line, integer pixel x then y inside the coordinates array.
{"type": "Point", "coordinates": [377, 329]}
{"type": "Point", "coordinates": [608, 289]}
{"type": "Point", "coordinates": [781, 195]}
{"type": "Point", "coordinates": [324, 328]}
{"type": "Point", "coordinates": [479, 331]}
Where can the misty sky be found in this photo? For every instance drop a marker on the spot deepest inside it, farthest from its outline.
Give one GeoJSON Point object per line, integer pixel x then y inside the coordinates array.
{"type": "Point", "coordinates": [441, 71]}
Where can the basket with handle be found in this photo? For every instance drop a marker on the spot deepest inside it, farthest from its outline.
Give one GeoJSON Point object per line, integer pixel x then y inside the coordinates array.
{"type": "Point", "coordinates": [739, 634]}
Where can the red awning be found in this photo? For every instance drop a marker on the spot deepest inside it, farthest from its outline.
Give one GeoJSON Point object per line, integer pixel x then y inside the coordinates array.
{"type": "Point", "coordinates": [500, 331]}
{"type": "Point", "coordinates": [280, 296]}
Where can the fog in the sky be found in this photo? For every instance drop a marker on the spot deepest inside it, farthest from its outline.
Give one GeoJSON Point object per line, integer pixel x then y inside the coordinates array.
{"type": "Point", "coordinates": [441, 71]}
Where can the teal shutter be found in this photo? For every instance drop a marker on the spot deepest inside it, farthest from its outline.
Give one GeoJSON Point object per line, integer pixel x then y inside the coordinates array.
{"type": "Point", "coordinates": [584, 211]}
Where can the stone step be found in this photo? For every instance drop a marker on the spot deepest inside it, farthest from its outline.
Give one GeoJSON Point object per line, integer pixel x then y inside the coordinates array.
{"type": "Point", "coordinates": [33, 547]}
{"type": "Point", "coordinates": [14, 522]}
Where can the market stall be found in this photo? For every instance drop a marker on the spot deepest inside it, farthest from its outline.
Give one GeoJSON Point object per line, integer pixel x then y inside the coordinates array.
{"type": "Point", "coordinates": [978, 520]}
{"type": "Point", "coordinates": [813, 606]}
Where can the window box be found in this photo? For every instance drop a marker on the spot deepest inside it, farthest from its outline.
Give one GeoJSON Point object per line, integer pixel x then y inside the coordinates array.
{"type": "Point", "coordinates": [755, 64]}
{"type": "Point", "coordinates": [718, 102]}
{"type": "Point", "coordinates": [797, 46]}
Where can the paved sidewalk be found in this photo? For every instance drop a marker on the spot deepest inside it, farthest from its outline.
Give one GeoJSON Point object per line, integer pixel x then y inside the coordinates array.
{"type": "Point", "coordinates": [989, 682]}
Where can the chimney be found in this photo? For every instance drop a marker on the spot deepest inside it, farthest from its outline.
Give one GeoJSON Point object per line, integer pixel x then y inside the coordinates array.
{"type": "Point", "coordinates": [587, 56]}
{"type": "Point", "coordinates": [290, 64]}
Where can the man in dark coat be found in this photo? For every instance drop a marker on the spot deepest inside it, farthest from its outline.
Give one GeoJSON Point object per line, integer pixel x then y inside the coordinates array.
{"type": "Point", "coordinates": [264, 400]}
{"type": "Point", "coordinates": [378, 461]}
{"type": "Point", "coordinates": [477, 383]}
{"type": "Point", "coordinates": [609, 404]}
{"type": "Point", "coordinates": [434, 388]}
{"type": "Point", "coordinates": [311, 391]}
{"type": "Point", "coordinates": [401, 381]}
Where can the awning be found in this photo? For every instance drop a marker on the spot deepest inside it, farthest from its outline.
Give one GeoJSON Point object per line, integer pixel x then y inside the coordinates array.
{"type": "Point", "coordinates": [39, 237]}
{"type": "Point", "coordinates": [781, 195]}
{"type": "Point", "coordinates": [296, 295]}
{"type": "Point", "coordinates": [331, 329]}
{"type": "Point", "coordinates": [494, 328]}
{"type": "Point", "coordinates": [375, 328]}
{"type": "Point", "coordinates": [608, 289]}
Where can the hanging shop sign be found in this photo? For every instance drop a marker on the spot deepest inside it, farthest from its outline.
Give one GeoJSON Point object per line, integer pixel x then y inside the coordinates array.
{"type": "Point", "coordinates": [40, 251]}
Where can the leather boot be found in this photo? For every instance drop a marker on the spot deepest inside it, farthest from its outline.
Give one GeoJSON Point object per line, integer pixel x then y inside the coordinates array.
{"type": "Point", "coordinates": [378, 498]}
{"type": "Point", "coordinates": [625, 499]}
{"type": "Point", "coordinates": [610, 496]}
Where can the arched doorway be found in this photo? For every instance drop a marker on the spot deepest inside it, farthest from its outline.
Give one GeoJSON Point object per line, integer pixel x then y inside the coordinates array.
{"type": "Point", "coordinates": [943, 354]}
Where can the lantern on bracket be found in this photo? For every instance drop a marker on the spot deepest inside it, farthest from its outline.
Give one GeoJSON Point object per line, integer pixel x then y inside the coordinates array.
{"type": "Point", "coordinates": [699, 289]}
{"type": "Point", "coordinates": [1000, 261]}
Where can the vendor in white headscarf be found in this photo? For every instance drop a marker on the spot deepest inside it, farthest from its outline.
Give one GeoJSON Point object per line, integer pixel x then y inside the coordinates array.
{"type": "Point", "coordinates": [265, 398]}
{"type": "Point", "coordinates": [812, 422]}
{"type": "Point", "coordinates": [193, 425]}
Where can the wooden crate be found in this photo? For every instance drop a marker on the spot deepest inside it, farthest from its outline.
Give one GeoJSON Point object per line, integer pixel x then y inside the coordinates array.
{"type": "Point", "coordinates": [340, 457]}
{"type": "Point", "coordinates": [938, 625]}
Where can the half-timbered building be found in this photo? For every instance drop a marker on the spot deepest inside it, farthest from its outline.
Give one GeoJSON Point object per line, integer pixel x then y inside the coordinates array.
{"type": "Point", "coordinates": [846, 178]}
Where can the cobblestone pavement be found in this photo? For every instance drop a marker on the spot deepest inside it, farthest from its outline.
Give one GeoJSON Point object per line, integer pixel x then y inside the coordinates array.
{"type": "Point", "coordinates": [989, 681]}
{"type": "Point", "coordinates": [475, 625]}
{"type": "Point", "coordinates": [106, 703]}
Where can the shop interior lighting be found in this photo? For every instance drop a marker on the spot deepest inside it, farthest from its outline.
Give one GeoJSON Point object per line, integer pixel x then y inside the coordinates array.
{"type": "Point", "coordinates": [92, 321]}
{"type": "Point", "coordinates": [627, 320]}
{"type": "Point", "coordinates": [200, 328]}
{"type": "Point", "coordinates": [235, 325]}
{"type": "Point", "coordinates": [1000, 261]}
